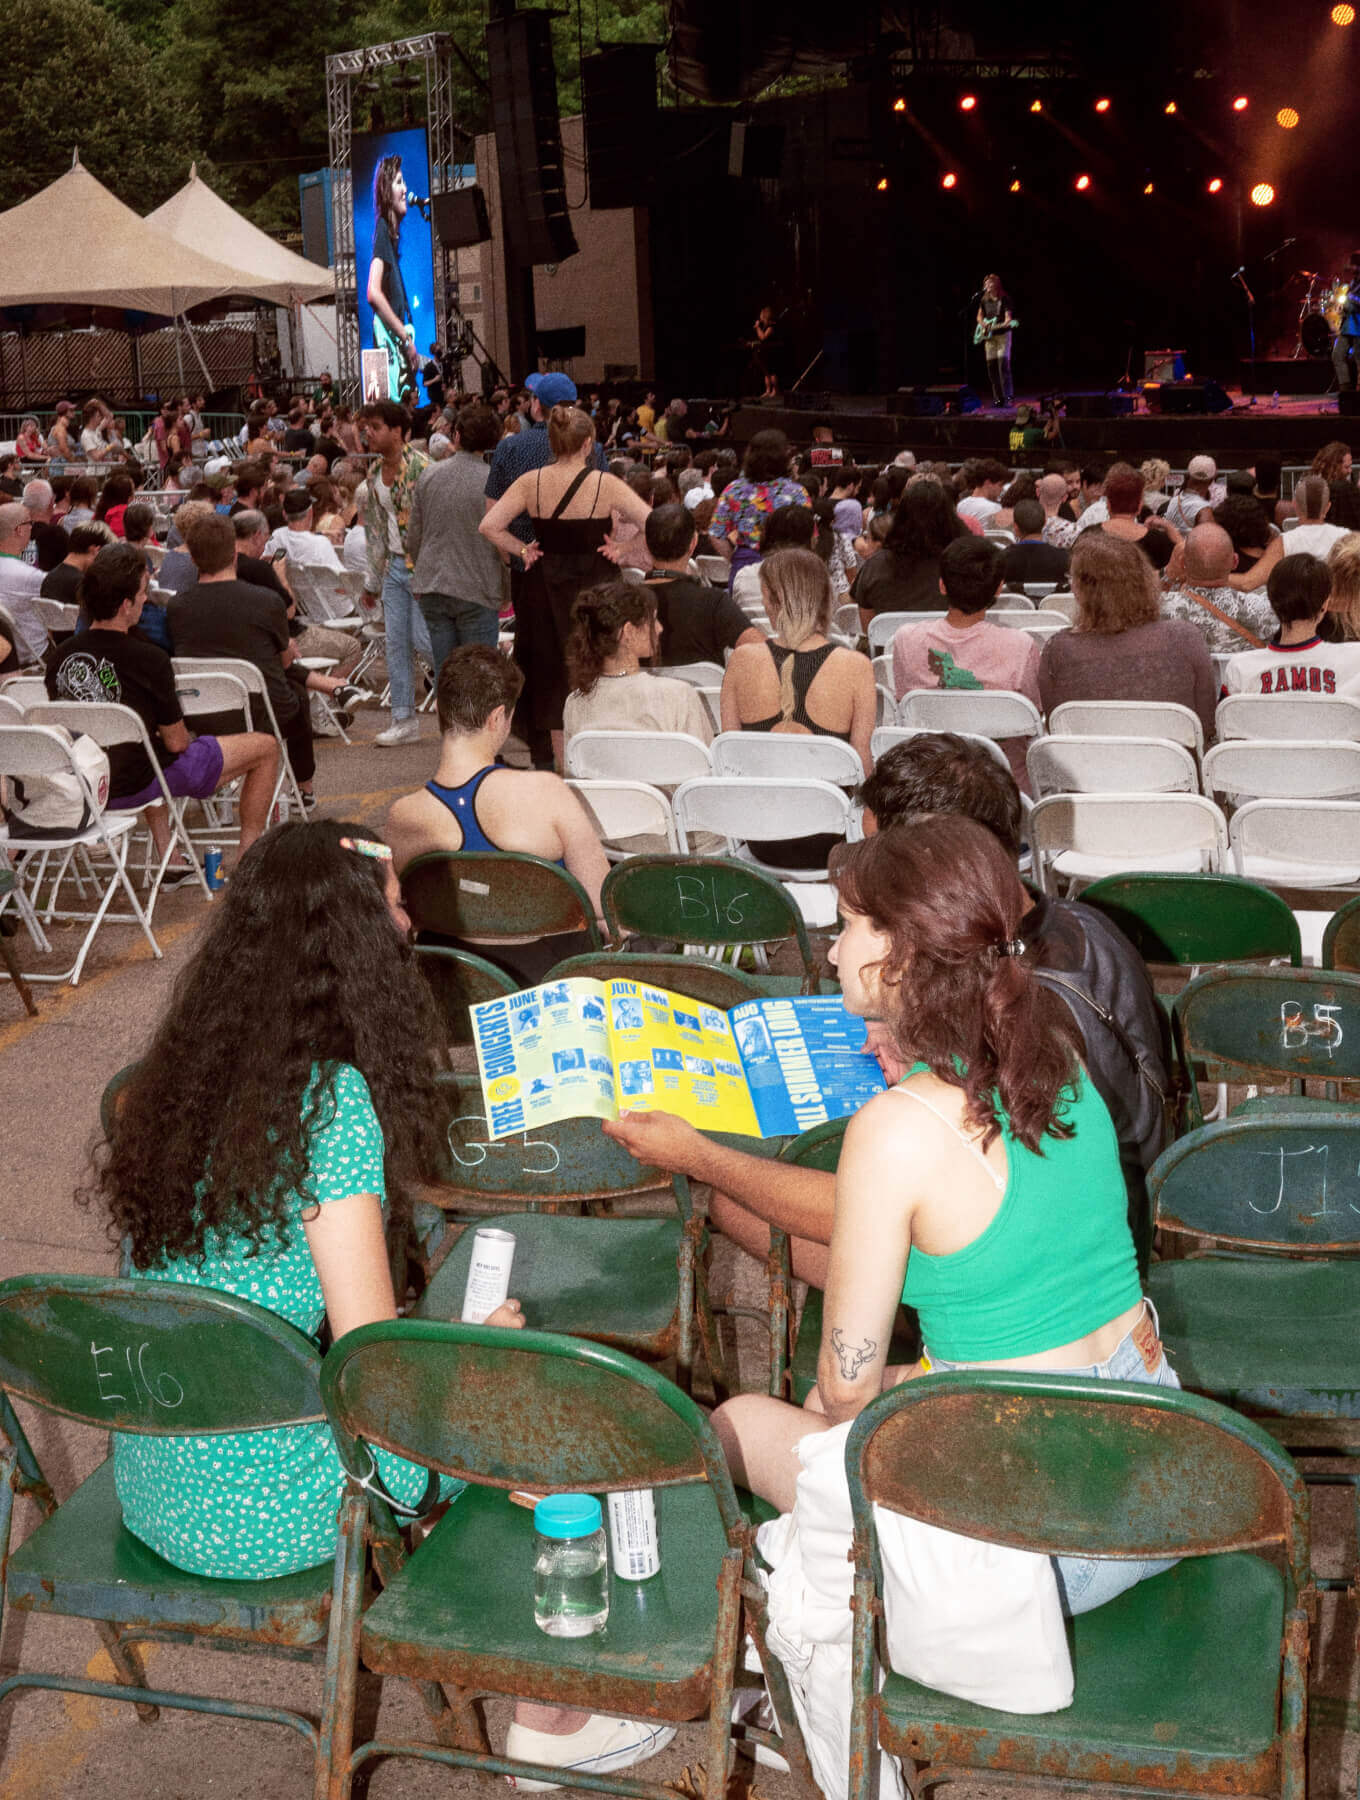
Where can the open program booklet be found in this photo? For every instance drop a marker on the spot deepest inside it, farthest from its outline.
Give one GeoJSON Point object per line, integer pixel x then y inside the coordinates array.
{"type": "Point", "coordinates": [594, 1049]}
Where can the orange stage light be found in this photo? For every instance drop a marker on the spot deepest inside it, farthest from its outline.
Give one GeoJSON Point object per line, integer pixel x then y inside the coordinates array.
{"type": "Point", "coordinates": [950, 180]}
{"type": "Point", "coordinates": [882, 184]}
{"type": "Point", "coordinates": [967, 103]}
{"type": "Point", "coordinates": [1262, 194]}
{"type": "Point", "coordinates": [1170, 108]}
{"type": "Point", "coordinates": [1287, 118]}
{"type": "Point", "coordinates": [1102, 106]}
{"type": "Point", "coordinates": [899, 105]}
{"type": "Point", "coordinates": [1241, 103]}
{"type": "Point", "coordinates": [1036, 106]}
{"type": "Point", "coordinates": [1343, 15]}
{"type": "Point", "coordinates": [1015, 187]}
{"type": "Point", "coordinates": [1082, 183]}
{"type": "Point", "coordinates": [1216, 185]}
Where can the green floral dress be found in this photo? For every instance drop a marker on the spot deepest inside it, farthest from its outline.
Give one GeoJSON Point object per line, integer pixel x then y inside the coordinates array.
{"type": "Point", "coordinates": [265, 1503]}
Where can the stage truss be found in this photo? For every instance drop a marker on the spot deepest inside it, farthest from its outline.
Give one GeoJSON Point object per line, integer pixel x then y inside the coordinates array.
{"type": "Point", "coordinates": [344, 73]}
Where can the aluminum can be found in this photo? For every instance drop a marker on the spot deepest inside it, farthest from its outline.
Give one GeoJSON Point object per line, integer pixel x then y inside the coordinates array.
{"type": "Point", "coordinates": [212, 870]}
{"type": "Point", "coordinates": [488, 1282]}
{"type": "Point", "coordinates": [632, 1535]}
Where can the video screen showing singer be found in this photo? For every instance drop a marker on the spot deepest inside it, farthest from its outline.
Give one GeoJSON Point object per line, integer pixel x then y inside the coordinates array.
{"type": "Point", "coordinates": [393, 326]}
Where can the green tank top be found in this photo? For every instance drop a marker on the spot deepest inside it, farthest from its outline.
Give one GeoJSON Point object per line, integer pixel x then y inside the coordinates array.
{"type": "Point", "coordinates": [1056, 1262]}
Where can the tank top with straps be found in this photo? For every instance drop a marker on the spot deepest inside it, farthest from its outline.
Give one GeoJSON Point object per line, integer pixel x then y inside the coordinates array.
{"type": "Point", "coordinates": [807, 665]}
{"type": "Point", "coordinates": [462, 803]}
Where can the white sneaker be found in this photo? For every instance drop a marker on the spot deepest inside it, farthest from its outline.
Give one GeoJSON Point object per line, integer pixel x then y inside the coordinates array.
{"type": "Point", "coordinates": [602, 1745]}
{"type": "Point", "coordinates": [400, 731]}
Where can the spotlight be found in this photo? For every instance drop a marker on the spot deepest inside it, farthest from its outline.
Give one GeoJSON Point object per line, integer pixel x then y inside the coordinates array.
{"type": "Point", "coordinates": [1170, 109]}
{"type": "Point", "coordinates": [1286, 118]}
{"type": "Point", "coordinates": [899, 105]}
{"type": "Point", "coordinates": [1102, 105]}
{"type": "Point", "coordinates": [1343, 15]}
{"type": "Point", "coordinates": [967, 102]}
{"type": "Point", "coordinates": [1015, 187]}
{"type": "Point", "coordinates": [1149, 187]}
{"type": "Point", "coordinates": [1241, 103]}
{"type": "Point", "coordinates": [882, 184]}
{"type": "Point", "coordinates": [950, 180]}
{"type": "Point", "coordinates": [1262, 194]}
{"type": "Point", "coordinates": [1082, 183]}
{"type": "Point", "coordinates": [1036, 106]}
{"type": "Point", "coordinates": [1216, 185]}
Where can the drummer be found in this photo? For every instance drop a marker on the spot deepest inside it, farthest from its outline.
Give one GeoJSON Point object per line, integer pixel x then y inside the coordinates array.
{"type": "Point", "coordinates": [1347, 342]}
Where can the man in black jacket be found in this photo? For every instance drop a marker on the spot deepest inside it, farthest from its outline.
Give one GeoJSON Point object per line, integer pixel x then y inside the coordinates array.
{"type": "Point", "coordinates": [1077, 953]}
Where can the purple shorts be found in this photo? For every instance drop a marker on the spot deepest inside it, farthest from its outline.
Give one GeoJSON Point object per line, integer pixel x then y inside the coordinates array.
{"type": "Point", "coordinates": [195, 774]}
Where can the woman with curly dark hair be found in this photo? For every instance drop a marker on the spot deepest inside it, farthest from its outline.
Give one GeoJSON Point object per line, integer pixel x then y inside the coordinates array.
{"type": "Point", "coordinates": [984, 1189]}
{"type": "Point", "coordinates": [286, 1100]}
{"type": "Point", "coordinates": [905, 575]}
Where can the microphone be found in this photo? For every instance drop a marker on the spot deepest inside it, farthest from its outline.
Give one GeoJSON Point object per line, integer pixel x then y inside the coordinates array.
{"type": "Point", "coordinates": [420, 201]}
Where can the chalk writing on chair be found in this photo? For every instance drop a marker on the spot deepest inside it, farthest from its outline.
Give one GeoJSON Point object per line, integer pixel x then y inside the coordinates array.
{"type": "Point", "coordinates": [1296, 1031]}
{"type": "Point", "coordinates": [476, 1149]}
{"type": "Point", "coordinates": [699, 900]}
{"type": "Point", "coordinates": [1314, 1199]}
{"type": "Point", "coordinates": [161, 1390]}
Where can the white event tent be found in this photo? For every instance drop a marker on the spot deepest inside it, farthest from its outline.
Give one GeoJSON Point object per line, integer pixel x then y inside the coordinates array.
{"type": "Point", "coordinates": [200, 220]}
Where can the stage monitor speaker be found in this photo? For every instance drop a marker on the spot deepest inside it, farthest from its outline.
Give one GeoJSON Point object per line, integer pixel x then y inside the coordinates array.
{"type": "Point", "coordinates": [460, 218]}
{"type": "Point", "coordinates": [1348, 403]}
{"type": "Point", "coordinates": [1100, 406]}
{"type": "Point", "coordinates": [756, 152]}
{"type": "Point", "coordinates": [528, 138]}
{"type": "Point", "coordinates": [934, 402]}
{"type": "Point", "coordinates": [1188, 397]}
{"type": "Point", "coordinates": [618, 96]}
{"type": "Point", "coordinates": [562, 342]}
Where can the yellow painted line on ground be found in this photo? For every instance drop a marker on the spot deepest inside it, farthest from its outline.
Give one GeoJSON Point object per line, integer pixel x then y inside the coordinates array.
{"type": "Point", "coordinates": [38, 1763]}
{"type": "Point", "coordinates": [56, 1003]}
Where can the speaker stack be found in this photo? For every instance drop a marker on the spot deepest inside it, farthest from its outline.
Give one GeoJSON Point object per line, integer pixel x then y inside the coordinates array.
{"type": "Point", "coordinates": [618, 95]}
{"type": "Point", "coordinates": [528, 138]}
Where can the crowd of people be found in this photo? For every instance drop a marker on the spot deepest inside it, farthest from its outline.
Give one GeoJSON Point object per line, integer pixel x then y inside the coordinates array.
{"type": "Point", "coordinates": [998, 1185]}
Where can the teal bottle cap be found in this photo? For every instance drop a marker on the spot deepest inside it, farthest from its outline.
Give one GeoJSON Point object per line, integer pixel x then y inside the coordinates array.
{"type": "Point", "coordinates": [567, 1515]}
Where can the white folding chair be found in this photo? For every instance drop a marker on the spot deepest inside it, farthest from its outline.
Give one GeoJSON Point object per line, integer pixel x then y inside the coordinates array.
{"type": "Point", "coordinates": [322, 598]}
{"type": "Point", "coordinates": [1271, 769]}
{"type": "Point", "coordinates": [28, 752]}
{"type": "Point", "coordinates": [661, 758]}
{"type": "Point", "coordinates": [1129, 718]}
{"type": "Point", "coordinates": [985, 712]}
{"type": "Point", "coordinates": [1040, 590]}
{"type": "Point", "coordinates": [1297, 843]}
{"type": "Point", "coordinates": [1010, 601]}
{"type": "Point", "coordinates": [884, 626]}
{"type": "Point", "coordinates": [286, 793]}
{"type": "Point", "coordinates": [1077, 838]}
{"type": "Point", "coordinates": [24, 690]}
{"type": "Point", "coordinates": [624, 810]}
{"type": "Point", "coordinates": [1220, 659]}
{"type": "Point", "coordinates": [714, 569]}
{"type": "Point", "coordinates": [888, 736]}
{"type": "Point", "coordinates": [741, 808]}
{"type": "Point", "coordinates": [698, 674]}
{"type": "Point", "coordinates": [11, 713]}
{"type": "Point", "coordinates": [845, 622]}
{"type": "Point", "coordinates": [58, 616]}
{"type": "Point", "coordinates": [203, 699]}
{"type": "Point", "coordinates": [787, 755]}
{"type": "Point", "coordinates": [112, 726]}
{"type": "Point", "coordinates": [1064, 603]}
{"type": "Point", "coordinates": [1110, 765]}
{"type": "Point", "coordinates": [1003, 537]}
{"type": "Point", "coordinates": [1297, 718]}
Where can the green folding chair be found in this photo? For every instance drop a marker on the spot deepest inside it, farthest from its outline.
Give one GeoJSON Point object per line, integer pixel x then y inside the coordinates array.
{"type": "Point", "coordinates": [149, 1357]}
{"type": "Point", "coordinates": [1265, 1319]}
{"type": "Point", "coordinates": [509, 1410]}
{"type": "Point", "coordinates": [716, 984]}
{"type": "Point", "coordinates": [459, 980]}
{"type": "Point", "coordinates": [1188, 920]}
{"type": "Point", "coordinates": [1341, 939]}
{"type": "Point", "coordinates": [713, 901]}
{"type": "Point", "coordinates": [1194, 1681]}
{"type": "Point", "coordinates": [496, 896]}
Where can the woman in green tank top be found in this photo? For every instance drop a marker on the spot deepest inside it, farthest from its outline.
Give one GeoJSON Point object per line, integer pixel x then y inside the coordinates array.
{"type": "Point", "coordinates": [985, 1188]}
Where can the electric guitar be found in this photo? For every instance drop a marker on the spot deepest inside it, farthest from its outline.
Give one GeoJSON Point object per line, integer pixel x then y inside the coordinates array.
{"type": "Point", "coordinates": [990, 327]}
{"type": "Point", "coordinates": [401, 359]}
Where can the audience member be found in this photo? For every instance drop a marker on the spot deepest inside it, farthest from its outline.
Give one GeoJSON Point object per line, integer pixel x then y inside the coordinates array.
{"type": "Point", "coordinates": [297, 540]}
{"type": "Point", "coordinates": [1093, 509]}
{"type": "Point", "coordinates": [1029, 558]}
{"type": "Point", "coordinates": [1298, 661]}
{"type": "Point", "coordinates": [456, 573]}
{"type": "Point", "coordinates": [1156, 473]}
{"type": "Point", "coordinates": [1051, 493]}
{"type": "Point", "coordinates": [905, 575]}
{"type": "Point", "coordinates": [1342, 622]}
{"type": "Point", "coordinates": [1227, 620]}
{"type": "Point", "coordinates": [613, 630]}
{"type": "Point", "coordinates": [983, 481]}
{"type": "Point", "coordinates": [1125, 518]}
{"type": "Point", "coordinates": [83, 545]}
{"type": "Point", "coordinates": [49, 537]}
{"type": "Point", "coordinates": [763, 486]}
{"type": "Point", "coordinates": [84, 491]}
{"type": "Point", "coordinates": [698, 623]}
{"type": "Point", "coordinates": [1194, 495]}
{"type": "Point", "coordinates": [1312, 536]}
{"type": "Point", "coordinates": [20, 582]}
{"type": "Point", "coordinates": [387, 512]}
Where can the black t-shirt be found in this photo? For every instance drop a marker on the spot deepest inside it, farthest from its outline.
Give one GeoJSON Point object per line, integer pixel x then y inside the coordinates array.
{"type": "Point", "coordinates": [263, 574]}
{"type": "Point", "coordinates": [11, 487]}
{"type": "Point", "coordinates": [51, 544]}
{"type": "Point", "coordinates": [394, 288]}
{"type": "Point", "coordinates": [887, 583]}
{"type": "Point", "coordinates": [1028, 561]}
{"type": "Point", "coordinates": [62, 584]}
{"type": "Point", "coordinates": [698, 623]}
{"type": "Point", "coordinates": [298, 438]}
{"type": "Point", "coordinates": [127, 669]}
{"type": "Point", "coordinates": [232, 618]}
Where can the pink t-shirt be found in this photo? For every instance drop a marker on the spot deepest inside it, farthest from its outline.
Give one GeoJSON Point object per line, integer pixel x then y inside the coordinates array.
{"type": "Point", "coordinates": [994, 655]}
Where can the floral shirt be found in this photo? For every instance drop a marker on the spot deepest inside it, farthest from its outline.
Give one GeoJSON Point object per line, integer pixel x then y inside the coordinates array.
{"type": "Point", "coordinates": [744, 506]}
{"type": "Point", "coordinates": [413, 465]}
{"type": "Point", "coordinates": [1252, 611]}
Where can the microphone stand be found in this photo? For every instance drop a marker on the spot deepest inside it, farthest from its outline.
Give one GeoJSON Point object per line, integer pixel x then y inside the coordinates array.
{"type": "Point", "coordinates": [1239, 276]}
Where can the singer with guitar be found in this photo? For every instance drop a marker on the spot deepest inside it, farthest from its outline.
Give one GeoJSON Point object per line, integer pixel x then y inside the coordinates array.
{"type": "Point", "coordinates": [995, 323]}
{"type": "Point", "coordinates": [393, 328]}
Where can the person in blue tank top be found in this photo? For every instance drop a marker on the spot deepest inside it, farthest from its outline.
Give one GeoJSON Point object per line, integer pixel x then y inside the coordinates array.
{"type": "Point", "coordinates": [984, 1189]}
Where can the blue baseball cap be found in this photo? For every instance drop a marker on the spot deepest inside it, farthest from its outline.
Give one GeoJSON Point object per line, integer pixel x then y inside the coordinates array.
{"type": "Point", "coordinates": [552, 389]}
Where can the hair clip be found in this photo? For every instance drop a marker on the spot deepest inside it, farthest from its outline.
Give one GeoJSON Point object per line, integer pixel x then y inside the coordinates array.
{"type": "Point", "coordinates": [1011, 947]}
{"type": "Point", "coordinates": [368, 847]}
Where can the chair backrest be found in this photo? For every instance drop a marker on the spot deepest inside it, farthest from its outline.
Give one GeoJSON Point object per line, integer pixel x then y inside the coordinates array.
{"type": "Point", "coordinates": [663, 758]}
{"type": "Point", "coordinates": [697, 674]}
{"type": "Point", "coordinates": [1258, 1024]}
{"type": "Point", "coordinates": [1268, 769]}
{"type": "Point", "coordinates": [245, 672]}
{"type": "Point", "coordinates": [1040, 590]}
{"type": "Point", "coordinates": [1067, 1465]}
{"type": "Point", "coordinates": [458, 980]}
{"type": "Point", "coordinates": [1309, 843]}
{"type": "Point", "coordinates": [627, 809]}
{"type": "Point", "coordinates": [886, 736]}
{"type": "Point", "coordinates": [533, 1408]}
{"type": "Point", "coordinates": [56, 615]}
{"type": "Point", "coordinates": [1104, 765]}
{"type": "Point", "coordinates": [11, 713]}
{"type": "Point", "coordinates": [787, 754]}
{"type": "Point", "coordinates": [819, 1148]}
{"type": "Point", "coordinates": [742, 807]}
{"type": "Point", "coordinates": [1189, 919]}
{"type": "Point", "coordinates": [320, 593]}
{"type": "Point", "coordinates": [714, 569]}
{"type": "Point", "coordinates": [845, 621]}
{"type": "Point", "coordinates": [1309, 718]}
{"type": "Point", "coordinates": [1064, 603]}
{"type": "Point", "coordinates": [24, 690]}
{"type": "Point", "coordinates": [1015, 617]}
{"type": "Point", "coordinates": [702, 900]}
{"type": "Point", "coordinates": [493, 895]}
{"type": "Point", "coordinates": [1129, 828]}
{"type": "Point", "coordinates": [209, 695]}
{"type": "Point", "coordinates": [884, 626]}
{"type": "Point", "coordinates": [1129, 718]}
{"type": "Point", "coordinates": [1341, 939]}
{"type": "Point", "coordinates": [986, 712]}
{"type": "Point", "coordinates": [715, 984]}
{"type": "Point", "coordinates": [31, 749]}
{"type": "Point", "coordinates": [1018, 599]}
{"type": "Point", "coordinates": [154, 1357]}
{"type": "Point", "coordinates": [1277, 1182]}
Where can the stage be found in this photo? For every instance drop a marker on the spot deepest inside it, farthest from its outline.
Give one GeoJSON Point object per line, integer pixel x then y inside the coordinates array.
{"type": "Point", "coordinates": [872, 429]}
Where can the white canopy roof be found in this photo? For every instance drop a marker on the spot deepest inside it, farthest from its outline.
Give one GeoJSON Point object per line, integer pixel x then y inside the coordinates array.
{"type": "Point", "coordinates": [200, 219]}
{"type": "Point", "coordinates": [77, 243]}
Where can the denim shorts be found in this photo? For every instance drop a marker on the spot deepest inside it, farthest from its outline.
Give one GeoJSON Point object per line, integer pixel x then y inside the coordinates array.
{"type": "Point", "coordinates": [1086, 1582]}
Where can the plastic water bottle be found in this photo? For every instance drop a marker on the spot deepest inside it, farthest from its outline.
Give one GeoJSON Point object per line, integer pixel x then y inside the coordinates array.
{"type": "Point", "coordinates": [571, 1573]}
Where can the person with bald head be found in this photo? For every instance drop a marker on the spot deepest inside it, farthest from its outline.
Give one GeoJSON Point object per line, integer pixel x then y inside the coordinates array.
{"type": "Point", "coordinates": [1228, 619]}
{"type": "Point", "coordinates": [1051, 493]}
{"type": "Point", "coordinates": [20, 582]}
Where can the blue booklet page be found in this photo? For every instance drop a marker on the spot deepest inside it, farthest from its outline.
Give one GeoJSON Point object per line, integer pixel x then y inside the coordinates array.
{"type": "Point", "coordinates": [805, 1061]}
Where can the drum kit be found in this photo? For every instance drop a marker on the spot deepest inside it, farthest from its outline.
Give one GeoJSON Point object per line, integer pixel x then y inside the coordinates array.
{"type": "Point", "coordinates": [1320, 312]}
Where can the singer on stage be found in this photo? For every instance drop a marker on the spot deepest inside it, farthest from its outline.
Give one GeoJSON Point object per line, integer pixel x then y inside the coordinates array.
{"type": "Point", "coordinates": [393, 328]}
{"type": "Point", "coordinates": [994, 327]}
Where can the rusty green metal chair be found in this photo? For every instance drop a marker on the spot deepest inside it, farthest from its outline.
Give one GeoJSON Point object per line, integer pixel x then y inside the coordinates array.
{"type": "Point", "coordinates": [1246, 1024]}
{"type": "Point", "coordinates": [507, 1410]}
{"type": "Point", "coordinates": [1189, 920]}
{"type": "Point", "coordinates": [1265, 1318]}
{"type": "Point", "coordinates": [1341, 939]}
{"type": "Point", "coordinates": [716, 984]}
{"type": "Point", "coordinates": [148, 1357]}
{"type": "Point", "coordinates": [715, 901]}
{"type": "Point", "coordinates": [1194, 1681]}
{"type": "Point", "coordinates": [495, 896]}
{"type": "Point", "coordinates": [459, 980]}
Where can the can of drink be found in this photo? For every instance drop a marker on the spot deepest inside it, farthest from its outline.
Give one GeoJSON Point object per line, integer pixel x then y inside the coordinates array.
{"type": "Point", "coordinates": [488, 1280]}
{"type": "Point", "coordinates": [632, 1535]}
{"type": "Point", "coordinates": [212, 869]}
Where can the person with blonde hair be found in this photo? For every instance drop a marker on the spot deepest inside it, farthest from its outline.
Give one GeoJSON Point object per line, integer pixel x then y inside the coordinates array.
{"type": "Point", "coordinates": [1341, 624]}
{"type": "Point", "coordinates": [1156, 473]}
{"type": "Point", "coordinates": [1121, 648]}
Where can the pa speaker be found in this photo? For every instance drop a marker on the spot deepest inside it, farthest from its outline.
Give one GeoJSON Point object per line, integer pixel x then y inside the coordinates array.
{"type": "Point", "coordinates": [934, 402]}
{"type": "Point", "coordinates": [618, 95]}
{"type": "Point", "coordinates": [1100, 406]}
{"type": "Point", "coordinates": [460, 218]}
{"type": "Point", "coordinates": [528, 138]}
{"type": "Point", "coordinates": [1189, 397]}
{"type": "Point", "coordinates": [562, 343]}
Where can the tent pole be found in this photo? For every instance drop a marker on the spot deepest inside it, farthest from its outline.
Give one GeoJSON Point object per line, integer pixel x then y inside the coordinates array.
{"type": "Point", "coordinates": [193, 345]}
{"type": "Point", "coordinates": [179, 353]}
